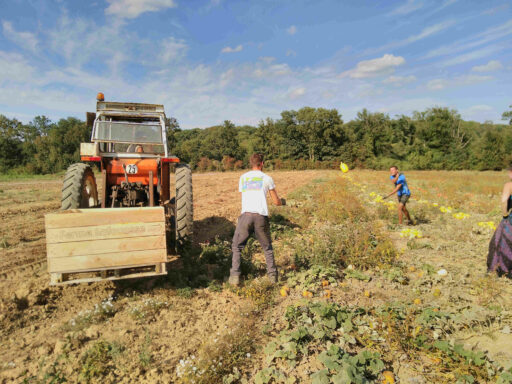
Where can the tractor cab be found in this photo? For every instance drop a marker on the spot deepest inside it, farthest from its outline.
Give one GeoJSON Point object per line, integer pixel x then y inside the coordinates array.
{"type": "Point", "coordinates": [127, 128]}
{"type": "Point", "coordinates": [129, 140]}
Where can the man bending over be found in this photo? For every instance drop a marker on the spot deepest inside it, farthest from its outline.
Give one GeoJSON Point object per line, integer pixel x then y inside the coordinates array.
{"type": "Point", "coordinates": [254, 186]}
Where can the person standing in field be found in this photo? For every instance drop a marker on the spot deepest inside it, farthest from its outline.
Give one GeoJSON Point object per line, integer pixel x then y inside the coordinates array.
{"type": "Point", "coordinates": [254, 186]}
{"type": "Point", "coordinates": [403, 192]}
{"type": "Point", "coordinates": [499, 259]}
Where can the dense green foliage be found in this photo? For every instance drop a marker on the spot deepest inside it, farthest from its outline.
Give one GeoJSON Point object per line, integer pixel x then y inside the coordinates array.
{"type": "Point", "coordinates": [318, 138]}
{"type": "Point", "coordinates": [308, 138]}
{"type": "Point", "coordinates": [41, 146]}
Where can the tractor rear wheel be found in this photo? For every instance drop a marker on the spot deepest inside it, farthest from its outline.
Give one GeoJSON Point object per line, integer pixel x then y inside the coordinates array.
{"type": "Point", "coordinates": [184, 219]}
{"type": "Point", "coordinates": [79, 189]}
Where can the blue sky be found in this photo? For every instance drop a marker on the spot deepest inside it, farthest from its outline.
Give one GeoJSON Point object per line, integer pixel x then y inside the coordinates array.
{"type": "Point", "coordinates": [212, 60]}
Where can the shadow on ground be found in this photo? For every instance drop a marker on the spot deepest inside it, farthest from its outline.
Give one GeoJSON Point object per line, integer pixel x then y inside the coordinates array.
{"type": "Point", "coordinates": [205, 262]}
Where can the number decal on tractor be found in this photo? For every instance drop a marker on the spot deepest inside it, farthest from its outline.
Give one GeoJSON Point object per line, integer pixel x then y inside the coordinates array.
{"type": "Point", "coordinates": [131, 169]}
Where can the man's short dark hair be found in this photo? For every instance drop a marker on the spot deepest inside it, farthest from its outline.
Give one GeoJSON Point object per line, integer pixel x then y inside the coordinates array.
{"type": "Point", "coordinates": [394, 166]}
{"type": "Point", "coordinates": [256, 160]}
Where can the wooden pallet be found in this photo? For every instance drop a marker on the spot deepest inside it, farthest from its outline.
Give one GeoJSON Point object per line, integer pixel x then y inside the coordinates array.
{"type": "Point", "coordinates": [105, 244]}
{"type": "Point", "coordinates": [108, 274]}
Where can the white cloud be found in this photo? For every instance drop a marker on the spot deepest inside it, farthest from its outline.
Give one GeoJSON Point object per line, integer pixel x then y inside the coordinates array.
{"type": "Point", "coordinates": [493, 65]}
{"type": "Point", "coordinates": [227, 77]}
{"type": "Point", "coordinates": [14, 68]}
{"type": "Point", "coordinates": [429, 31]}
{"type": "Point", "coordinates": [405, 106]}
{"type": "Point", "coordinates": [238, 48]}
{"type": "Point", "coordinates": [408, 7]}
{"type": "Point", "coordinates": [399, 81]}
{"type": "Point", "coordinates": [78, 42]}
{"type": "Point", "coordinates": [131, 9]}
{"type": "Point", "coordinates": [424, 33]}
{"type": "Point", "coordinates": [472, 79]}
{"type": "Point", "coordinates": [275, 70]}
{"type": "Point", "coordinates": [173, 49]}
{"type": "Point", "coordinates": [292, 30]}
{"type": "Point", "coordinates": [482, 38]}
{"type": "Point", "coordinates": [439, 84]}
{"type": "Point", "coordinates": [28, 97]}
{"type": "Point", "coordinates": [198, 95]}
{"type": "Point", "coordinates": [267, 59]}
{"type": "Point", "coordinates": [381, 66]}
{"type": "Point", "coordinates": [479, 108]}
{"type": "Point", "coordinates": [499, 8]}
{"type": "Point", "coordinates": [368, 91]}
{"type": "Point", "coordinates": [470, 56]}
{"type": "Point", "coordinates": [27, 40]}
{"type": "Point", "coordinates": [445, 4]}
{"type": "Point", "coordinates": [481, 112]}
{"type": "Point", "coordinates": [296, 93]}
{"type": "Point", "coordinates": [81, 41]}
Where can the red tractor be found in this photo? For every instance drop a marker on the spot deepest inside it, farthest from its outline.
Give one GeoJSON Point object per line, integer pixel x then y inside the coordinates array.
{"type": "Point", "coordinates": [129, 145]}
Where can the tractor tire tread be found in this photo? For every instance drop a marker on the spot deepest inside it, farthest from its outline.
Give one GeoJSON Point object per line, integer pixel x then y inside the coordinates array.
{"type": "Point", "coordinates": [72, 185]}
{"type": "Point", "coordinates": [184, 204]}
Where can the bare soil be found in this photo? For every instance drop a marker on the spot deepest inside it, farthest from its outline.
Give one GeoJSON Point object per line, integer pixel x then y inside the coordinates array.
{"type": "Point", "coordinates": [35, 318]}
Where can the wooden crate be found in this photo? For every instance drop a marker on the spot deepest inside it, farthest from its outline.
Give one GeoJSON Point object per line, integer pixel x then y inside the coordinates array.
{"type": "Point", "coordinates": [105, 244]}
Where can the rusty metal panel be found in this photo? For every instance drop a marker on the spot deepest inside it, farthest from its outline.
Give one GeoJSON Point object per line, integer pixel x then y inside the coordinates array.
{"type": "Point", "coordinates": [128, 107]}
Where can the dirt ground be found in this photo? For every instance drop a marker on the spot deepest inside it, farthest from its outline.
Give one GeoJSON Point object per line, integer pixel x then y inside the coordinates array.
{"type": "Point", "coordinates": [149, 328]}
{"type": "Point", "coordinates": [34, 316]}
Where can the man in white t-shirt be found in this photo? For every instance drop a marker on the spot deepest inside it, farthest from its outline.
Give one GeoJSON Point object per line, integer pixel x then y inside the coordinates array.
{"type": "Point", "coordinates": [254, 186]}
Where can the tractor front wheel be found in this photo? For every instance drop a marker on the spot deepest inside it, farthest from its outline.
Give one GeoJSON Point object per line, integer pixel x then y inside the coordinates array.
{"type": "Point", "coordinates": [79, 189]}
{"type": "Point", "coordinates": [184, 219]}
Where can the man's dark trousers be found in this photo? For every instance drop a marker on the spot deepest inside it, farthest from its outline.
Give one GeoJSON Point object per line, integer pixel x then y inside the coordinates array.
{"type": "Point", "coordinates": [247, 223]}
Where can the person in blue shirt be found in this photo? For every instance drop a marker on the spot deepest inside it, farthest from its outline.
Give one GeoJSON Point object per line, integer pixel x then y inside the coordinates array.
{"type": "Point", "coordinates": [403, 192]}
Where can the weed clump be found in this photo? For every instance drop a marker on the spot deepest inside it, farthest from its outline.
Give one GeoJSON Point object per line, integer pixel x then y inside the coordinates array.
{"type": "Point", "coordinates": [186, 293]}
{"type": "Point", "coordinates": [148, 309]}
{"type": "Point", "coordinates": [218, 360]}
{"type": "Point", "coordinates": [100, 313]}
{"type": "Point", "coordinates": [341, 231]}
{"type": "Point", "coordinates": [99, 360]}
{"type": "Point", "coordinates": [312, 279]}
{"type": "Point", "coordinates": [334, 203]}
{"type": "Point", "coordinates": [362, 246]}
{"type": "Point", "coordinates": [260, 292]}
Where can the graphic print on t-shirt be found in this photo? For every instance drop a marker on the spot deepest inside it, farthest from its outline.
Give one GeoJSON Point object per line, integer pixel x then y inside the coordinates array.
{"type": "Point", "coordinates": [252, 184]}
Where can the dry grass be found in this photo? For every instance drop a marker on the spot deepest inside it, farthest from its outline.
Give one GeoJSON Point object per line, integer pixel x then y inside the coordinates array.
{"type": "Point", "coordinates": [465, 190]}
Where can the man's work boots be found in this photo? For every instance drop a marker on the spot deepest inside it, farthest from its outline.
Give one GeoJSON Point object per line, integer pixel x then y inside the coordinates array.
{"type": "Point", "coordinates": [274, 279]}
{"type": "Point", "coordinates": [234, 280]}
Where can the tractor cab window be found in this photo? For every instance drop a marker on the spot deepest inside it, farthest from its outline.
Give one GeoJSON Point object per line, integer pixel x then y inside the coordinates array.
{"type": "Point", "coordinates": [128, 132]}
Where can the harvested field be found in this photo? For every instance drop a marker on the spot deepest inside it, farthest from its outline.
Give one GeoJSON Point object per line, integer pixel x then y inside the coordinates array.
{"type": "Point", "coordinates": [357, 287]}
{"type": "Point", "coordinates": [32, 313]}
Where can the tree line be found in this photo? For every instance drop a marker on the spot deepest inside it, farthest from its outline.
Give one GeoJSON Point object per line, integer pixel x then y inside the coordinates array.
{"type": "Point", "coordinates": [436, 138]}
